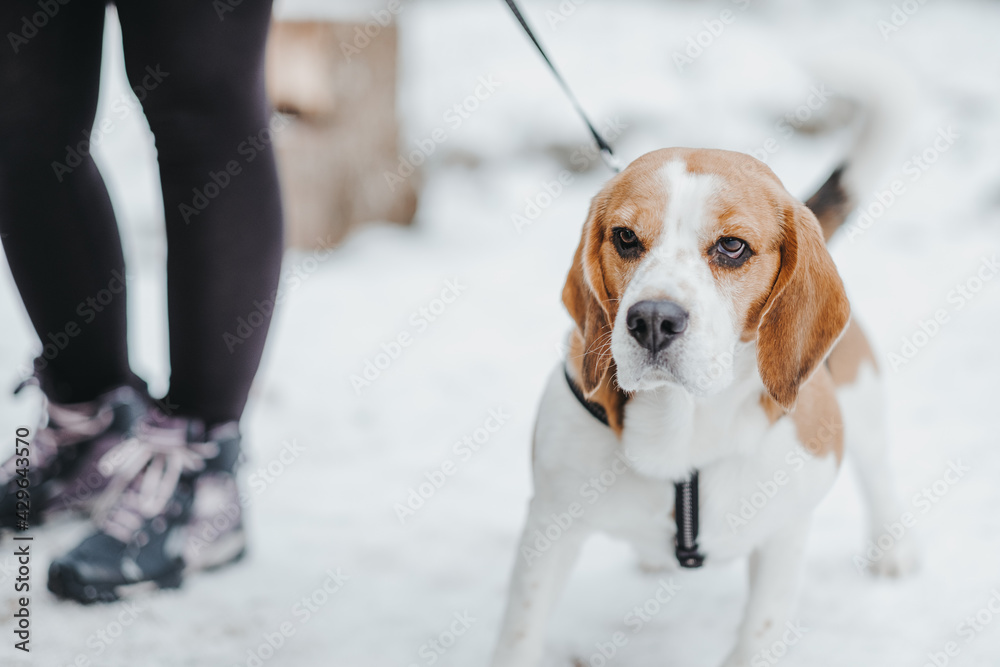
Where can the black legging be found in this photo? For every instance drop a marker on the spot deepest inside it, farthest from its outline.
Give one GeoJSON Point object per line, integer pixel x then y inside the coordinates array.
{"type": "Point", "coordinates": [197, 67]}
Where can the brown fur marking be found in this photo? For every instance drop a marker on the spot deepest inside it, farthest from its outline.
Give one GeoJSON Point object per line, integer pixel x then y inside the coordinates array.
{"type": "Point", "coordinates": [851, 351]}
{"type": "Point", "coordinates": [607, 395]}
{"type": "Point", "coordinates": [817, 418]}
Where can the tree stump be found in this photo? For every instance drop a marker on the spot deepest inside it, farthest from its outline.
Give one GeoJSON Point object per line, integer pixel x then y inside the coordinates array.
{"type": "Point", "coordinates": [341, 135]}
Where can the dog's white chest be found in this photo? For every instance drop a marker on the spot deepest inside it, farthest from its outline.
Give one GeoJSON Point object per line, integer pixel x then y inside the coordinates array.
{"type": "Point", "coordinates": [754, 476]}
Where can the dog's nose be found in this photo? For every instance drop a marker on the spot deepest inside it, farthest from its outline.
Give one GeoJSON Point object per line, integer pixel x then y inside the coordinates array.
{"type": "Point", "coordinates": [655, 324]}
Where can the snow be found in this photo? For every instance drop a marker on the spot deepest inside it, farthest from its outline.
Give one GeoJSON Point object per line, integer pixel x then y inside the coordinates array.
{"type": "Point", "coordinates": [331, 509]}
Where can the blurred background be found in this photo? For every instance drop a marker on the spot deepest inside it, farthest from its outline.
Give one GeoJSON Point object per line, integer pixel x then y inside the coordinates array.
{"type": "Point", "coordinates": [436, 180]}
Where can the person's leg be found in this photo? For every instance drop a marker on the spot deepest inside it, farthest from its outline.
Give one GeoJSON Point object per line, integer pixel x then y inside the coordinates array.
{"type": "Point", "coordinates": [56, 223]}
{"type": "Point", "coordinates": [61, 240]}
{"type": "Point", "coordinates": [206, 106]}
{"type": "Point", "coordinates": [200, 77]}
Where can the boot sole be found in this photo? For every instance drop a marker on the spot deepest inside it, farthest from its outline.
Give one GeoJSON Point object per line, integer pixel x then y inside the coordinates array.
{"type": "Point", "coordinates": [64, 583]}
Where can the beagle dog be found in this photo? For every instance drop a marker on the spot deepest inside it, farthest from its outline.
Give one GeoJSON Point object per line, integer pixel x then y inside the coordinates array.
{"type": "Point", "coordinates": [713, 360]}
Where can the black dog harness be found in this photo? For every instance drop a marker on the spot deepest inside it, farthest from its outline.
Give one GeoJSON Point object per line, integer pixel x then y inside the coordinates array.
{"type": "Point", "coordinates": [685, 494]}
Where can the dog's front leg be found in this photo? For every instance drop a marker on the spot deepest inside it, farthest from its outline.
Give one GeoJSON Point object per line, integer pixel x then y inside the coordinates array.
{"type": "Point", "coordinates": [542, 567]}
{"type": "Point", "coordinates": [775, 571]}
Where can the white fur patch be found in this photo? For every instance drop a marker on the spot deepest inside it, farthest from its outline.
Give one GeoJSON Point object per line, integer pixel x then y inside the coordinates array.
{"type": "Point", "coordinates": [675, 268]}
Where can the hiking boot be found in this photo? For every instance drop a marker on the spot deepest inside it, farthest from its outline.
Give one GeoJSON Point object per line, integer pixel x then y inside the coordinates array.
{"type": "Point", "coordinates": [62, 467]}
{"type": "Point", "coordinates": [172, 507]}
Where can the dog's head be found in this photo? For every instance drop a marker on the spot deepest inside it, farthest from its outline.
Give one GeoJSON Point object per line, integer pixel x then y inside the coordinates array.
{"type": "Point", "coordinates": [689, 256]}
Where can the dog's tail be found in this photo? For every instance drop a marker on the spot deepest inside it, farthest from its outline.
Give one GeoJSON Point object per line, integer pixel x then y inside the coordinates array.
{"type": "Point", "coordinates": [885, 96]}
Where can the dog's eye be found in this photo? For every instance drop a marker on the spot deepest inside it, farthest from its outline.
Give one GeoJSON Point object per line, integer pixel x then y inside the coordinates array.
{"type": "Point", "coordinates": [626, 242]}
{"type": "Point", "coordinates": [731, 251]}
{"type": "Point", "coordinates": [732, 247]}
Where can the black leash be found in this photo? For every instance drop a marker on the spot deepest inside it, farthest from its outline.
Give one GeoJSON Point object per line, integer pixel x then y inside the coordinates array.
{"type": "Point", "coordinates": [685, 494]}
{"type": "Point", "coordinates": [606, 153]}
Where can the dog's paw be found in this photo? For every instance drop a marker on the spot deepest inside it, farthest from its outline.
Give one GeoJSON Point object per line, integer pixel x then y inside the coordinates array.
{"type": "Point", "coordinates": [901, 559]}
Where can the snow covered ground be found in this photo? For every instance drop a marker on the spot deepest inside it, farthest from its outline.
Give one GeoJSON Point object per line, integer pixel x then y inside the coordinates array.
{"type": "Point", "coordinates": [336, 578]}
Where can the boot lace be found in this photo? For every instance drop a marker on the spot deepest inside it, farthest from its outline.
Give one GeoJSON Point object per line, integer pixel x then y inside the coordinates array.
{"type": "Point", "coordinates": [60, 426]}
{"type": "Point", "coordinates": [145, 471]}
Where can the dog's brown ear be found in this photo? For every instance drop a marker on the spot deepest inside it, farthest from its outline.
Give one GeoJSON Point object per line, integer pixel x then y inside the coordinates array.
{"type": "Point", "coordinates": [587, 302]}
{"type": "Point", "coordinates": [806, 311]}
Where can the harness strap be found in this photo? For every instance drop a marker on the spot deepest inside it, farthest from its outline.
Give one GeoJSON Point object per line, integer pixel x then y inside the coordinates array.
{"type": "Point", "coordinates": [685, 493]}
{"type": "Point", "coordinates": [686, 517]}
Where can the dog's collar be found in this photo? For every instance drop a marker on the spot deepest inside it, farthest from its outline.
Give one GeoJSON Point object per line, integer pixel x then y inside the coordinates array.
{"type": "Point", "coordinates": [593, 407]}
{"type": "Point", "coordinates": [685, 493]}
